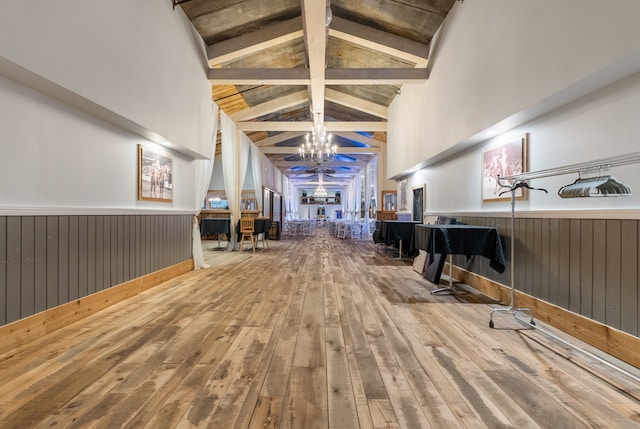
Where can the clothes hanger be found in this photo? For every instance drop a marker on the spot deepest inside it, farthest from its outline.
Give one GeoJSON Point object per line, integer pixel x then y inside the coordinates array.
{"type": "Point", "coordinates": [598, 186]}
{"type": "Point", "coordinates": [523, 184]}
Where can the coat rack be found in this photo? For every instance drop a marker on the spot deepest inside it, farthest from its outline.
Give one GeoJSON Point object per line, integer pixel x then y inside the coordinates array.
{"type": "Point", "coordinates": [596, 185]}
{"type": "Point", "coordinates": [591, 182]}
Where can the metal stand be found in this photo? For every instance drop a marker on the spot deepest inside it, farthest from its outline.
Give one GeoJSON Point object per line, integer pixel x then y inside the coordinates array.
{"type": "Point", "coordinates": [512, 305]}
{"type": "Point", "coordinates": [400, 253]}
{"type": "Point", "coordinates": [450, 289]}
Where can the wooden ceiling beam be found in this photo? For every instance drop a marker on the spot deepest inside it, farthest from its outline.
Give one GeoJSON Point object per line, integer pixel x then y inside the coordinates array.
{"type": "Point", "coordinates": [300, 76]}
{"type": "Point", "coordinates": [288, 164]}
{"type": "Point", "coordinates": [306, 126]}
{"type": "Point", "coordinates": [271, 106]}
{"type": "Point", "coordinates": [371, 142]}
{"type": "Point", "coordinates": [375, 76]}
{"type": "Point", "coordinates": [259, 76]}
{"type": "Point", "coordinates": [378, 40]}
{"type": "Point", "coordinates": [252, 43]}
{"type": "Point", "coordinates": [355, 103]}
{"type": "Point", "coordinates": [340, 149]}
{"type": "Point", "coordinates": [314, 14]}
{"type": "Point", "coordinates": [288, 135]}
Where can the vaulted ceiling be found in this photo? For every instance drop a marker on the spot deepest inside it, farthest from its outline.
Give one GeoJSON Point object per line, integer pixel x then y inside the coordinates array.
{"type": "Point", "coordinates": [278, 65]}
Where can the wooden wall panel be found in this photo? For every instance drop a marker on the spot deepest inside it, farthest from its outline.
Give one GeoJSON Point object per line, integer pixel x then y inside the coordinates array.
{"type": "Point", "coordinates": [599, 301]}
{"type": "Point", "coordinates": [91, 255]}
{"type": "Point", "coordinates": [113, 247]}
{"type": "Point", "coordinates": [554, 259]}
{"type": "Point", "coordinates": [545, 258]}
{"type": "Point", "coordinates": [27, 279]}
{"type": "Point", "coordinates": [563, 262]}
{"type": "Point", "coordinates": [13, 304]}
{"type": "Point", "coordinates": [83, 251]}
{"type": "Point", "coordinates": [585, 262]}
{"type": "Point", "coordinates": [106, 252]}
{"type": "Point", "coordinates": [588, 266]}
{"type": "Point", "coordinates": [574, 265]}
{"type": "Point", "coordinates": [40, 263]}
{"type": "Point", "coordinates": [3, 271]}
{"type": "Point", "coordinates": [99, 253]}
{"type": "Point", "coordinates": [63, 259]}
{"type": "Point", "coordinates": [629, 276]}
{"type": "Point", "coordinates": [612, 315]}
{"type": "Point", "coordinates": [74, 258]}
{"type": "Point", "coordinates": [52, 260]}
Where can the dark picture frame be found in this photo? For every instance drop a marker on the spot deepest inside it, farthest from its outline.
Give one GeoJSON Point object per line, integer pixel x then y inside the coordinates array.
{"type": "Point", "coordinates": [155, 175]}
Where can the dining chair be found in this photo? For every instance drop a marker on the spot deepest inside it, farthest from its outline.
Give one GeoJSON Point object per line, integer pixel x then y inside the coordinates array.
{"type": "Point", "coordinates": [342, 230]}
{"type": "Point", "coordinates": [247, 229]}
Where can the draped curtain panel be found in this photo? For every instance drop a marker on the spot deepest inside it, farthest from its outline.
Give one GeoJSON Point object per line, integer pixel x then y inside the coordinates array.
{"type": "Point", "coordinates": [256, 168]}
{"type": "Point", "coordinates": [235, 160]}
{"type": "Point", "coordinates": [203, 170]}
{"type": "Point", "coordinates": [229, 170]}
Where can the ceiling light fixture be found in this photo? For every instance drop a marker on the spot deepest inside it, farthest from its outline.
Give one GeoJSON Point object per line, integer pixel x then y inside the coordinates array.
{"type": "Point", "coordinates": [317, 147]}
{"type": "Point", "coordinates": [328, 15]}
{"type": "Point", "coordinates": [320, 191]}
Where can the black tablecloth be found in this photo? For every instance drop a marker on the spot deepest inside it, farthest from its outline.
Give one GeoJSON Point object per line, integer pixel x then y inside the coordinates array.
{"type": "Point", "coordinates": [210, 226]}
{"type": "Point", "coordinates": [461, 240]}
{"type": "Point", "coordinates": [393, 231]}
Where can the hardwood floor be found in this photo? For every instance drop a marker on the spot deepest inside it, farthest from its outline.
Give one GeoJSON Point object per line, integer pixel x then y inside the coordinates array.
{"type": "Point", "coordinates": [313, 332]}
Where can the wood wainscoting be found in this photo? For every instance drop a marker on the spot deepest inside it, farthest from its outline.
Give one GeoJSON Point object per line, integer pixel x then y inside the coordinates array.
{"type": "Point", "coordinates": [30, 328]}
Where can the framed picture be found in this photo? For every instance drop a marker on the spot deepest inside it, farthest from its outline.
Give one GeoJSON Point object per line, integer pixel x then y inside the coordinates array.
{"type": "Point", "coordinates": [419, 202]}
{"type": "Point", "coordinates": [504, 160]}
{"type": "Point", "coordinates": [155, 175]}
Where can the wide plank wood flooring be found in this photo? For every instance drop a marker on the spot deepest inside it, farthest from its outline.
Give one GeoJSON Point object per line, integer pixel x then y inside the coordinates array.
{"type": "Point", "coordinates": [313, 332]}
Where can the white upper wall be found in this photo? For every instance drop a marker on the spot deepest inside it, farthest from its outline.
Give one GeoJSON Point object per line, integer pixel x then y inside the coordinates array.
{"type": "Point", "coordinates": [82, 84]}
{"type": "Point", "coordinates": [500, 63]}
{"type": "Point", "coordinates": [139, 60]}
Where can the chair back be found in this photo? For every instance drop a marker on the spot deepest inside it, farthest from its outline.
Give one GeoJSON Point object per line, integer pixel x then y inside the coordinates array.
{"type": "Point", "coordinates": [246, 224]}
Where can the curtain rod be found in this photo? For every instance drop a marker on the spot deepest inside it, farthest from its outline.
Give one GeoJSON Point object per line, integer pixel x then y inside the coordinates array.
{"type": "Point", "coordinates": [629, 158]}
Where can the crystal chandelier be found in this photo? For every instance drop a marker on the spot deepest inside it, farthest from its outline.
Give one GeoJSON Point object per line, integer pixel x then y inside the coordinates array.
{"type": "Point", "coordinates": [320, 191]}
{"type": "Point", "coordinates": [317, 147]}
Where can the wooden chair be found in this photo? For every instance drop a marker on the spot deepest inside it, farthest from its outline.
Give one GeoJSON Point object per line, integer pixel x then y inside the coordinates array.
{"type": "Point", "coordinates": [247, 229]}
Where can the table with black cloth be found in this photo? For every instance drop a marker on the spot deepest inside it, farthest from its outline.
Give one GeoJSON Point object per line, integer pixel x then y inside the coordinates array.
{"type": "Point", "coordinates": [260, 226]}
{"type": "Point", "coordinates": [395, 232]}
{"type": "Point", "coordinates": [458, 239]}
{"type": "Point", "coordinates": [218, 226]}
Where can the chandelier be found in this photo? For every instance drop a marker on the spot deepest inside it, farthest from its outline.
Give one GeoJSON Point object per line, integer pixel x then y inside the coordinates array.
{"type": "Point", "coordinates": [317, 147]}
{"type": "Point", "coordinates": [320, 191]}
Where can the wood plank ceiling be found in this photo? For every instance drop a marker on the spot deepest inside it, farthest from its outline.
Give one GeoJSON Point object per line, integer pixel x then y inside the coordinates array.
{"type": "Point", "coordinates": [276, 65]}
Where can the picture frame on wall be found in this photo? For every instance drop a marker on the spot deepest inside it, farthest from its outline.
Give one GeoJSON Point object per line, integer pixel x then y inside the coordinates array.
{"type": "Point", "coordinates": [503, 160]}
{"type": "Point", "coordinates": [155, 175]}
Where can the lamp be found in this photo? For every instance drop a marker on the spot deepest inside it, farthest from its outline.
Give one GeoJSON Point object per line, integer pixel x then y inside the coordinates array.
{"type": "Point", "coordinates": [320, 191]}
{"type": "Point", "coordinates": [317, 147]}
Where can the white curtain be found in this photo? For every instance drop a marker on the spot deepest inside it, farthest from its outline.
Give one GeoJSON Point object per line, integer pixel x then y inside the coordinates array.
{"type": "Point", "coordinates": [245, 147]}
{"type": "Point", "coordinates": [358, 187]}
{"type": "Point", "coordinates": [351, 198]}
{"type": "Point", "coordinates": [203, 170]}
{"type": "Point", "coordinates": [295, 201]}
{"type": "Point", "coordinates": [367, 196]}
{"type": "Point", "coordinates": [374, 176]}
{"type": "Point", "coordinates": [235, 157]}
{"type": "Point", "coordinates": [256, 169]}
{"type": "Point", "coordinates": [229, 168]}
{"type": "Point", "coordinates": [286, 197]}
